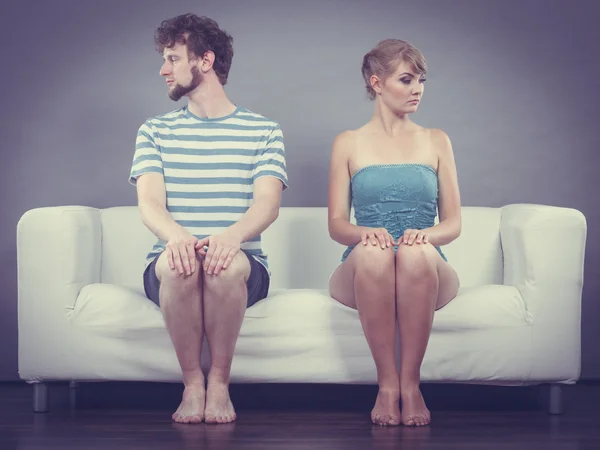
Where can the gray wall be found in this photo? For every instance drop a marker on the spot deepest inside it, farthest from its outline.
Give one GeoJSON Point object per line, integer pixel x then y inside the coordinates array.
{"type": "Point", "coordinates": [513, 83]}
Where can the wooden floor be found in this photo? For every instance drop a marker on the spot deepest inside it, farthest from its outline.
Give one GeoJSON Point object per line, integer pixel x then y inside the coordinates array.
{"type": "Point", "coordinates": [137, 416]}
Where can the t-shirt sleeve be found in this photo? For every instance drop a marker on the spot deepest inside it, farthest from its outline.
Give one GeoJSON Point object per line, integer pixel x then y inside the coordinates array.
{"type": "Point", "coordinates": [147, 157]}
{"type": "Point", "coordinates": [271, 162]}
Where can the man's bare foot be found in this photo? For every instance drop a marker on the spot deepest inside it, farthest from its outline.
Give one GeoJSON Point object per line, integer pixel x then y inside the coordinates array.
{"type": "Point", "coordinates": [414, 411]}
{"type": "Point", "coordinates": [386, 410]}
{"type": "Point", "coordinates": [219, 408]}
{"type": "Point", "coordinates": [191, 409]}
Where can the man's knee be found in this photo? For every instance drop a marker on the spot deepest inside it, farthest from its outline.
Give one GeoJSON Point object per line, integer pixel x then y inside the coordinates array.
{"type": "Point", "coordinates": [166, 274]}
{"type": "Point", "coordinates": [236, 272]}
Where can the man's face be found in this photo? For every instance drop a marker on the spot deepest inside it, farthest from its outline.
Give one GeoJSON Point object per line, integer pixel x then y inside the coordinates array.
{"type": "Point", "coordinates": [182, 75]}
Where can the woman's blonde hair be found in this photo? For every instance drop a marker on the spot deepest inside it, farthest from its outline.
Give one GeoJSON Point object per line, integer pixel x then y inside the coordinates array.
{"type": "Point", "coordinates": [385, 57]}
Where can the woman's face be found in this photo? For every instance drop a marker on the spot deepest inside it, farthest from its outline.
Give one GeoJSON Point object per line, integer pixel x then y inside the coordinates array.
{"type": "Point", "coordinates": [402, 90]}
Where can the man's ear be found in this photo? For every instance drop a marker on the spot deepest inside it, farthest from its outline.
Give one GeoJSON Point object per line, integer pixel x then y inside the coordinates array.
{"type": "Point", "coordinates": [207, 61]}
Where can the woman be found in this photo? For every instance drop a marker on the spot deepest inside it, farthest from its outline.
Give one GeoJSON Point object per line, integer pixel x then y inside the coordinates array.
{"type": "Point", "coordinates": [396, 174]}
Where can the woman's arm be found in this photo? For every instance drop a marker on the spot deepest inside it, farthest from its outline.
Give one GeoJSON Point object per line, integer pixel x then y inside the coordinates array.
{"type": "Point", "coordinates": [340, 228]}
{"type": "Point", "coordinates": [450, 222]}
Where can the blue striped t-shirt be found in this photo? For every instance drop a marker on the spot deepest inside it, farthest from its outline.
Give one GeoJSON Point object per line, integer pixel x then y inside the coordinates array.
{"type": "Point", "coordinates": [209, 167]}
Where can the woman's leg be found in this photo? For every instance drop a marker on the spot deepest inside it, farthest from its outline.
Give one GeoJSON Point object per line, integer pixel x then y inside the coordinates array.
{"type": "Point", "coordinates": [424, 283]}
{"type": "Point", "coordinates": [365, 281]}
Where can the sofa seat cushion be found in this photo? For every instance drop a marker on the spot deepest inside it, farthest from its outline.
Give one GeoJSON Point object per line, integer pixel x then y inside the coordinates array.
{"type": "Point", "coordinates": [111, 309]}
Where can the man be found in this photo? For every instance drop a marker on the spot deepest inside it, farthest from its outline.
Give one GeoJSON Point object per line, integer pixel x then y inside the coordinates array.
{"type": "Point", "coordinates": [209, 179]}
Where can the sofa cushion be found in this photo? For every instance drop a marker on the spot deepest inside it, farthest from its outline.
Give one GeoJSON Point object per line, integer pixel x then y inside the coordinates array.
{"type": "Point", "coordinates": [114, 309]}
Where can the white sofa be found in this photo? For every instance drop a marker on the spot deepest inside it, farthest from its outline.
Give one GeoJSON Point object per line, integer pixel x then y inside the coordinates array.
{"type": "Point", "coordinates": [83, 315]}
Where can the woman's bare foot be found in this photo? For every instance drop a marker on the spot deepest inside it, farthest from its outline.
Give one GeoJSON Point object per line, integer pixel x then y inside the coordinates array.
{"type": "Point", "coordinates": [386, 410]}
{"type": "Point", "coordinates": [219, 408]}
{"type": "Point", "coordinates": [191, 409]}
{"type": "Point", "coordinates": [414, 411]}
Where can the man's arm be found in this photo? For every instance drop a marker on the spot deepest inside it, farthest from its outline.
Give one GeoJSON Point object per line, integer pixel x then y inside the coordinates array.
{"type": "Point", "coordinates": [262, 213]}
{"type": "Point", "coordinates": [152, 202]}
{"type": "Point", "coordinates": [269, 180]}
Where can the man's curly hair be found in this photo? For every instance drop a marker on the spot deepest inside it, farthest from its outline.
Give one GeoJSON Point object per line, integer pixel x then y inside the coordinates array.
{"type": "Point", "coordinates": [199, 34]}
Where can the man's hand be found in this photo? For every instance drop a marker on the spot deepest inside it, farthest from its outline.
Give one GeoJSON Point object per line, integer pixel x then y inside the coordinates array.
{"type": "Point", "coordinates": [181, 252]}
{"type": "Point", "coordinates": [222, 248]}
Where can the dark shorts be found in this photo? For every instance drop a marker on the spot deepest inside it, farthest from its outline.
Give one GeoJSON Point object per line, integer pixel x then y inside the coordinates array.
{"type": "Point", "coordinates": [257, 284]}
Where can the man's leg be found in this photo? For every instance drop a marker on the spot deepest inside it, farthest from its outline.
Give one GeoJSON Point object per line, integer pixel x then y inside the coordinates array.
{"type": "Point", "coordinates": [181, 305]}
{"type": "Point", "coordinates": [225, 301]}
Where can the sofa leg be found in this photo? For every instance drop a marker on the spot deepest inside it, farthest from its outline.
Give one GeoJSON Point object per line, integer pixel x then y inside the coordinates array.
{"type": "Point", "coordinates": [40, 397]}
{"type": "Point", "coordinates": [73, 385]}
{"type": "Point", "coordinates": [555, 404]}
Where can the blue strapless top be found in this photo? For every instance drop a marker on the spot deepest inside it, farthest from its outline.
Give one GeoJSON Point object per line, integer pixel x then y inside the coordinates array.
{"type": "Point", "coordinates": [395, 197]}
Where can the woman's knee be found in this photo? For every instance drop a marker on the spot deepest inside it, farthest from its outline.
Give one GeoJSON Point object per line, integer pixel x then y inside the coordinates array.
{"type": "Point", "coordinates": [417, 260]}
{"type": "Point", "coordinates": [373, 262]}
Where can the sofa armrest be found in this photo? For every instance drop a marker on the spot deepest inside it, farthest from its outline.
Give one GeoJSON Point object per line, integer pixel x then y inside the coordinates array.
{"type": "Point", "coordinates": [544, 249]}
{"type": "Point", "coordinates": [58, 253]}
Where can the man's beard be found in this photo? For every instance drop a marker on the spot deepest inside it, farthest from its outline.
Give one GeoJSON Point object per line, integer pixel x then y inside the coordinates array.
{"type": "Point", "coordinates": [179, 91]}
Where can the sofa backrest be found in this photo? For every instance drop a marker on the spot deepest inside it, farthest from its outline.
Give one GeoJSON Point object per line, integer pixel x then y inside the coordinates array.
{"type": "Point", "coordinates": [300, 251]}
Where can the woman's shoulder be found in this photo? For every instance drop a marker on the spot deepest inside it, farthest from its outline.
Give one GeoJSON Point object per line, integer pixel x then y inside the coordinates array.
{"type": "Point", "coordinates": [352, 136]}
{"type": "Point", "coordinates": [440, 142]}
{"type": "Point", "coordinates": [436, 134]}
{"type": "Point", "coordinates": [346, 139]}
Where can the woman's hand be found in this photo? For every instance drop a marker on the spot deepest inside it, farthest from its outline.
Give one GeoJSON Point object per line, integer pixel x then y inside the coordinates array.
{"type": "Point", "coordinates": [376, 236]}
{"type": "Point", "coordinates": [411, 237]}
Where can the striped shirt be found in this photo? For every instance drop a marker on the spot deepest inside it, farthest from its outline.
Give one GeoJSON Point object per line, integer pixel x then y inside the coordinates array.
{"type": "Point", "coordinates": [209, 167]}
